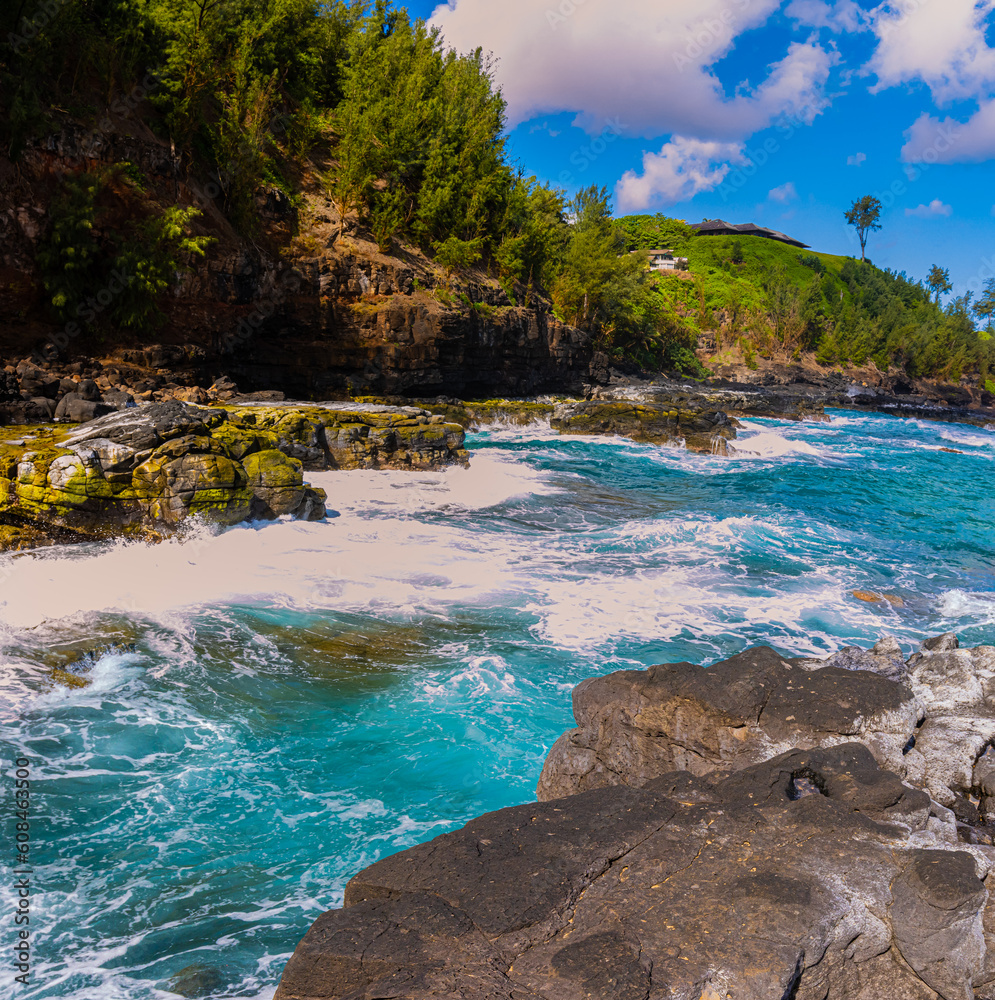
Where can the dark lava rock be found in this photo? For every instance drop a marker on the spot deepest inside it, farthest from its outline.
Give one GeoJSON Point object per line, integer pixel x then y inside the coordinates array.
{"type": "Point", "coordinates": [637, 724]}
{"type": "Point", "coordinates": [928, 719]}
{"type": "Point", "coordinates": [811, 875]}
{"type": "Point", "coordinates": [147, 427]}
{"type": "Point", "coordinates": [701, 428]}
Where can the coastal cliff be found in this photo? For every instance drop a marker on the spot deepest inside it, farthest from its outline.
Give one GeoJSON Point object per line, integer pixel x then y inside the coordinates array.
{"type": "Point", "coordinates": [295, 306]}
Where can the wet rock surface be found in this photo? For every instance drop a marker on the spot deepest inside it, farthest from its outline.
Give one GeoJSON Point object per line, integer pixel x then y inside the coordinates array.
{"type": "Point", "coordinates": [755, 830]}
{"type": "Point", "coordinates": [152, 468]}
{"type": "Point", "coordinates": [696, 426]}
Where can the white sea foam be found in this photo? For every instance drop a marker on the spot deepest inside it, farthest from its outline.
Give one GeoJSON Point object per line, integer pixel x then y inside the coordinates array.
{"type": "Point", "coordinates": [771, 444]}
{"type": "Point", "coordinates": [491, 480]}
{"type": "Point", "coordinates": [483, 675]}
{"type": "Point", "coordinates": [969, 440]}
{"type": "Point", "coordinates": [964, 606]}
{"type": "Point", "coordinates": [376, 554]}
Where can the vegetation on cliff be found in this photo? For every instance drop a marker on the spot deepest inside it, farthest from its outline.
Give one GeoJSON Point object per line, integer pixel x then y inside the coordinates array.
{"type": "Point", "coordinates": [406, 137]}
{"type": "Point", "coordinates": [774, 297]}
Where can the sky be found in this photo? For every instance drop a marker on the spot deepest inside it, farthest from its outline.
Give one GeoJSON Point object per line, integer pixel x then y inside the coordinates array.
{"type": "Point", "coordinates": [778, 112]}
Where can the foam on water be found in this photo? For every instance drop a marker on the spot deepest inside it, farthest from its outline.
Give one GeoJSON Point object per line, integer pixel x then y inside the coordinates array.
{"type": "Point", "coordinates": [956, 605]}
{"type": "Point", "coordinates": [773, 444]}
{"type": "Point", "coordinates": [307, 698]}
{"type": "Point", "coordinates": [969, 440]}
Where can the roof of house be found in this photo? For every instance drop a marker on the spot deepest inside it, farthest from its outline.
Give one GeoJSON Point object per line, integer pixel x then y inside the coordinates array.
{"type": "Point", "coordinates": [718, 227]}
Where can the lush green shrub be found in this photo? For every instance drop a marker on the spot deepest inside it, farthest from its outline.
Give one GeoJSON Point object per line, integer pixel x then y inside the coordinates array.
{"type": "Point", "coordinates": [111, 275]}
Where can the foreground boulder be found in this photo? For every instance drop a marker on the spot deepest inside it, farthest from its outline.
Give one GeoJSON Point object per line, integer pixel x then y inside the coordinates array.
{"type": "Point", "coordinates": [929, 719]}
{"type": "Point", "coordinates": [813, 875]}
{"type": "Point", "coordinates": [681, 852]}
{"type": "Point", "coordinates": [152, 468]}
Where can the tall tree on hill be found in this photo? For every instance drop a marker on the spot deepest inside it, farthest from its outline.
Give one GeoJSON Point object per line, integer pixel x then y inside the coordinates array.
{"type": "Point", "coordinates": [864, 215]}
{"type": "Point", "coordinates": [984, 308]}
{"type": "Point", "coordinates": [938, 281]}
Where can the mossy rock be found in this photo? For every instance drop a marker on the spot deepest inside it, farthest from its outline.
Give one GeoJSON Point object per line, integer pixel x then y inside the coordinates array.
{"type": "Point", "coordinates": [241, 440]}
{"type": "Point", "coordinates": [209, 485]}
{"type": "Point", "coordinates": [273, 470]}
{"type": "Point", "coordinates": [276, 481]}
{"type": "Point", "coordinates": [70, 680]}
{"type": "Point", "coordinates": [14, 538]}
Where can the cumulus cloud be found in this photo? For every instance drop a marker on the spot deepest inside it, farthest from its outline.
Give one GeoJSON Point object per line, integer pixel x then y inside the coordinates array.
{"type": "Point", "coordinates": [648, 62]}
{"type": "Point", "coordinates": [932, 140]}
{"type": "Point", "coordinates": [931, 211]}
{"type": "Point", "coordinates": [856, 159]}
{"type": "Point", "coordinates": [784, 193]}
{"type": "Point", "coordinates": [843, 15]}
{"type": "Point", "coordinates": [943, 45]}
{"type": "Point", "coordinates": [682, 169]}
{"type": "Point", "coordinates": [940, 42]}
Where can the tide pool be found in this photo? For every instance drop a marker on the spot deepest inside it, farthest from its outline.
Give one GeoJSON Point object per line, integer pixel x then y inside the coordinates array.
{"type": "Point", "coordinates": [303, 699]}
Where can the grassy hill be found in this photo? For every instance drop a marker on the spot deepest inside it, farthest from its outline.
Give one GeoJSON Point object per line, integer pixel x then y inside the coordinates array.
{"type": "Point", "coordinates": [775, 299]}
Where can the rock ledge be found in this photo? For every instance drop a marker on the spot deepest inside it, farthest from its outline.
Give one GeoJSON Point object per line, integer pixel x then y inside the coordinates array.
{"type": "Point", "coordinates": [767, 828]}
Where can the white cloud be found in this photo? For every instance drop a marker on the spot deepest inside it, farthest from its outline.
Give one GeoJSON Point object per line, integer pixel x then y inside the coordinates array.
{"type": "Point", "coordinates": [856, 159]}
{"type": "Point", "coordinates": [940, 42]}
{"type": "Point", "coordinates": [931, 211]}
{"type": "Point", "coordinates": [784, 193]}
{"type": "Point", "coordinates": [682, 169]}
{"type": "Point", "coordinates": [843, 15]}
{"type": "Point", "coordinates": [930, 140]}
{"type": "Point", "coordinates": [648, 62]}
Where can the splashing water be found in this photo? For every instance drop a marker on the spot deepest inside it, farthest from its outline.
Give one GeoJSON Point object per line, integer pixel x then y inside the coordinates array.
{"type": "Point", "coordinates": [303, 699]}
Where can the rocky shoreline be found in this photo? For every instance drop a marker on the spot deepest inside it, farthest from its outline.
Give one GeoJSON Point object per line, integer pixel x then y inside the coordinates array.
{"type": "Point", "coordinates": [146, 471]}
{"type": "Point", "coordinates": [234, 456]}
{"type": "Point", "coordinates": [768, 827]}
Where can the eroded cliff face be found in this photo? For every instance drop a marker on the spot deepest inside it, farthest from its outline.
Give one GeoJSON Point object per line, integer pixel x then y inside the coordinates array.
{"type": "Point", "coordinates": [293, 306]}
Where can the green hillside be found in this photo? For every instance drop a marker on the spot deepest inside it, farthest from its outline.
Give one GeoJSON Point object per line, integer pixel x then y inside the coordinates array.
{"type": "Point", "coordinates": [356, 102]}
{"type": "Point", "coordinates": [777, 298]}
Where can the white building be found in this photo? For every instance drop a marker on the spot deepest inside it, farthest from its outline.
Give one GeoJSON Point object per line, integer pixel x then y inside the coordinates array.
{"type": "Point", "coordinates": [664, 260]}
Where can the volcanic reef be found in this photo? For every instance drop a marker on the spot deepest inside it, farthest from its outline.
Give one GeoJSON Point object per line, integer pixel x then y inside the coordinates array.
{"type": "Point", "coordinates": [768, 828]}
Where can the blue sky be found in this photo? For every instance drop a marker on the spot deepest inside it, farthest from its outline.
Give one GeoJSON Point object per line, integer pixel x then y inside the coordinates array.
{"type": "Point", "coordinates": [779, 112]}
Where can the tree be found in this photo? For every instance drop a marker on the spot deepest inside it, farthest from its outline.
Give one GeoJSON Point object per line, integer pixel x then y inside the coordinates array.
{"type": "Point", "coordinates": [938, 281]}
{"type": "Point", "coordinates": [864, 215]}
{"type": "Point", "coordinates": [984, 308]}
{"type": "Point", "coordinates": [536, 236]}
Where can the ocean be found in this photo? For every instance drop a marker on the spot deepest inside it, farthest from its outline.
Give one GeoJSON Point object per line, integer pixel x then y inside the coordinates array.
{"type": "Point", "coordinates": [289, 702]}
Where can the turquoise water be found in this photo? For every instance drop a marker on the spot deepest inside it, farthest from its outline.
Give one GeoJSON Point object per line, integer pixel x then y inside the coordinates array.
{"type": "Point", "coordinates": [306, 698]}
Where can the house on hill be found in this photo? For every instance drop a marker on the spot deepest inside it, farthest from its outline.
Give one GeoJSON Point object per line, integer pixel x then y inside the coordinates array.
{"type": "Point", "coordinates": [717, 227]}
{"type": "Point", "coordinates": [664, 260]}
